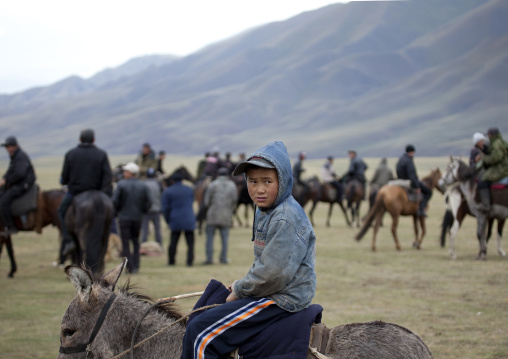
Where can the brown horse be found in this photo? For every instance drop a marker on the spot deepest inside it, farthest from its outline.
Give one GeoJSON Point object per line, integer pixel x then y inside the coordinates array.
{"type": "Point", "coordinates": [133, 326]}
{"type": "Point", "coordinates": [394, 200]}
{"type": "Point", "coordinates": [355, 193]}
{"type": "Point", "coordinates": [319, 192]}
{"type": "Point", "coordinates": [45, 214]}
{"type": "Point", "coordinates": [200, 188]}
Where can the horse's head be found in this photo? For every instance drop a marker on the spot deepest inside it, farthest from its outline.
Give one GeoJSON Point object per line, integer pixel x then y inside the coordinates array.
{"type": "Point", "coordinates": [451, 174]}
{"type": "Point", "coordinates": [118, 172]}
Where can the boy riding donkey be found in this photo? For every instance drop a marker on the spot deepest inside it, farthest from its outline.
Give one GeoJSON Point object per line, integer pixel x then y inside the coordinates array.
{"type": "Point", "coordinates": [282, 279]}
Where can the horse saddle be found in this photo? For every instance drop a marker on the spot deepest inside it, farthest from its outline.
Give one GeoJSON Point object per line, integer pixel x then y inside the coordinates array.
{"type": "Point", "coordinates": [287, 338]}
{"type": "Point", "coordinates": [412, 194]}
{"type": "Point", "coordinates": [24, 208]}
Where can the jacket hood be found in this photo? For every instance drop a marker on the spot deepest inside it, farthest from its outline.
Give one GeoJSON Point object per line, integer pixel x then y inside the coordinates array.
{"type": "Point", "coordinates": [276, 153]}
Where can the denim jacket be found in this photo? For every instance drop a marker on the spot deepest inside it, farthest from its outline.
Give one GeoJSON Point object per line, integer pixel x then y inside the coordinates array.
{"type": "Point", "coordinates": [284, 244]}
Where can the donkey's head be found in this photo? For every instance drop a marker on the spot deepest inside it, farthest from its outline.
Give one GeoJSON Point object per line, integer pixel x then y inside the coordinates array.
{"type": "Point", "coordinates": [85, 314]}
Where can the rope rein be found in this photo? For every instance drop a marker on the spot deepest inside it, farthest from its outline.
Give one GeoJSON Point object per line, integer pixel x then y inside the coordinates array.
{"type": "Point", "coordinates": [161, 301]}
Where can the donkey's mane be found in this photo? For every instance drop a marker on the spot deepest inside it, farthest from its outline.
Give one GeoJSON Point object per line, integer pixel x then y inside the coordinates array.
{"type": "Point", "coordinates": [170, 309]}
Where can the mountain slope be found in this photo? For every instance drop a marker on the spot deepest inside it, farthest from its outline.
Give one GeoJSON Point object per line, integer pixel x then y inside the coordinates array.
{"type": "Point", "coordinates": [366, 75]}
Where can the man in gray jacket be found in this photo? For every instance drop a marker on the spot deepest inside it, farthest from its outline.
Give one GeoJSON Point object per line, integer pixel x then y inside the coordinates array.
{"type": "Point", "coordinates": [221, 198]}
{"type": "Point", "coordinates": [131, 201]}
{"type": "Point", "coordinates": [154, 214]}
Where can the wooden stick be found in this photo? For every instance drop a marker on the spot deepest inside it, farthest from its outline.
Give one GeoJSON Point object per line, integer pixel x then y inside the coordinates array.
{"type": "Point", "coordinates": [172, 299]}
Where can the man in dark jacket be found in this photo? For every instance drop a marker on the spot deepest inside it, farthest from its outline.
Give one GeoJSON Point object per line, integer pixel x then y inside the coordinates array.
{"type": "Point", "coordinates": [20, 176]}
{"type": "Point", "coordinates": [131, 200]}
{"type": "Point", "coordinates": [85, 167]}
{"type": "Point", "coordinates": [178, 212]}
{"type": "Point", "coordinates": [406, 170]}
{"type": "Point", "coordinates": [357, 168]}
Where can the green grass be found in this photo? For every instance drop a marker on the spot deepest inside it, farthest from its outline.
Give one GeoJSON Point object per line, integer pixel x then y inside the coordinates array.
{"type": "Point", "coordinates": [458, 307]}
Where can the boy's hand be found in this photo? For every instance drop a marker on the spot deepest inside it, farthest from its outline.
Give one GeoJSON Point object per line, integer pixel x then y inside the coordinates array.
{"type": "Point", "coordinates": [231, 298]}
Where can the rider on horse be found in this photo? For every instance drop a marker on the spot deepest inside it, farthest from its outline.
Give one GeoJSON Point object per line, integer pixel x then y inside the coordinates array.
{"type": "Point", "coordinates": [328, 175]}
{"type": "Point", "coordinates": [495, 161]}
{"type": "Point", "coordinates": [18, 179]}
{"type": "Point", "coordinates": [406, 170]}
{"type": "Point", "coordinates": [85, 167]}
{"type": "Point", "coordinates": [356, 171]}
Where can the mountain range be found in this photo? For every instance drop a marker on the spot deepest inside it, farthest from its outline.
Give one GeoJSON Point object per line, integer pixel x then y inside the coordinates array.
{"type": "Point", "coordinates": [371, 76]}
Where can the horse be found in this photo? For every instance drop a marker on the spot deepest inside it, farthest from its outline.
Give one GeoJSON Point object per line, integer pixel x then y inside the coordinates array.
{"type": "Point", "coordinates": [243, 198]}
{"type": "Point", "coordinates": [318, 192]}
{"type": "Point", "coordinates": [88, 221]}
{"type": "Point", "coordinates": [200, 188]}
{"type": "Point", "coordinates": [182, 171]}
{"type": "Point", "coordinates": [44, 215]}
{"type": "Point", "coordinates": [394, 200]}
{"type": "Point", "coordinates": [355, 193]}
{"type": "Point", "coordinates": [106, 323]}
{"type": "Point", "coordinates": [454, 216]}
{"type": "Point", "coordinates": [458, 171]}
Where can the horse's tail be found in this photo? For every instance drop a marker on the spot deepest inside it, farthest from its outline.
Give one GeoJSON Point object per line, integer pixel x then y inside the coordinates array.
{"type": "Point", "coordinates": [445, 226]}
{"type": "Point", "coordinates": [376, 207]}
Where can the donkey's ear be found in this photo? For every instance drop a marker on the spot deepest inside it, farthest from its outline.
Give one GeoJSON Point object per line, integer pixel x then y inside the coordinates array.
{"type": "Point", "coordinates": [111, 277]}
{"type": "Point", "coordinates": [81, 280]}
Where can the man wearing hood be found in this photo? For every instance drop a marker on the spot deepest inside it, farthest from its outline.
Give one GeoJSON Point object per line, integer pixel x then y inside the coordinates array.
{"type": "Point", "coordinates": [282, 279]}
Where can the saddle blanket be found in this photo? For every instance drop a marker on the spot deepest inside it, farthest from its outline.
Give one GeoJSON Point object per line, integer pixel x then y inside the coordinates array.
{"type": "Point", "coordinates": [26, 202]}
{"type": "Point", "coordinates": [412, 195]}
{"type": "Point", "coordinates": [287, 338]}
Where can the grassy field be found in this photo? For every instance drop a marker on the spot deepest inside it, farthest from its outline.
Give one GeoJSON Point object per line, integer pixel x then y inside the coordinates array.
{"type": "Point", "coordinates": [457, 307]}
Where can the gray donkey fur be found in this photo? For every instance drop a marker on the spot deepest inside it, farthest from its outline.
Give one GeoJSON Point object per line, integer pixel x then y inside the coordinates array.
{"type": "Point", "coordinates": [373, 340]}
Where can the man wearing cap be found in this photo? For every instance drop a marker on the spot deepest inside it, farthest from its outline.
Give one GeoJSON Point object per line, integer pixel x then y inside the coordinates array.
{"type": "Point", "coordinates": [145, 160]}
{"type": "Point", "coordinates": [221, 198]}
{"type": "Point", "coordinates": [357, 168]}
{"type": "Point", "coordinates": [406, 170]}
{"type": "Point", "coordinates": [131, 201]}
{"type": "Point", "coordinates": [20, 176]}
{"type": "Point", "coordinates": [495, 162]}
{"type": "Point", "coordinates": [86, 167]}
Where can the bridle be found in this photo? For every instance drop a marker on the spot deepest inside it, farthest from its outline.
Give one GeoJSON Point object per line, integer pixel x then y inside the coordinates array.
{"type": "Point", "coordinates": [86, 347]}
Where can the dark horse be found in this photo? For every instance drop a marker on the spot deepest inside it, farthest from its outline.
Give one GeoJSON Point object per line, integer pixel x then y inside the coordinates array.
{"type": "Point", "coordinates": [243, 198]}
{"type": "Point", "coordinates": [88, 220]}
{"type": "Point", "coordinates": [45, 214]}
{"type": "Point", "coordinates": [355, 193]}
{"type": "Point", "coordinates": [318, 192]}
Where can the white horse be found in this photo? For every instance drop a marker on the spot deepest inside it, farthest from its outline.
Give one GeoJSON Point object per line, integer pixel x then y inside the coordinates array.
{"type": "Point", "coordinates": [457, 205]}
{"type": "Point", "coordinates": [458, 172]}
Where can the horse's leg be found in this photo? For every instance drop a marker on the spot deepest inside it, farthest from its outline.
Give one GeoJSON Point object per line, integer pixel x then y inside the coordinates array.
{"type": "Point", "coordinates": [415, 230]}
{"type": "Point", "coordinates": [424, 231]}
{"type": "Point", "coordinates": [395, 223]}
{"type": "Point", "coordinates": [453, 233]}
{"type": "Point", "coordinates": [378, 219]}
{"type": "Point", "coordinates": [345, 212]}
{"type": "Point", "coordinates": [500, 224]}
{"type": "Point", "coordinates": [357, 213]}
{"type": "Point", "coordinates": [10, 253]}
{"type": "Point", "coordinates": [329, 214]}
{"type": "Point", "coordinates": [482, 234]}
{"type": "Point", "coordinates": [314, 204]}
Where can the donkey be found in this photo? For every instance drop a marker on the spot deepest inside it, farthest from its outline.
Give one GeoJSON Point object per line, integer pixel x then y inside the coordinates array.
{"type": "Point", "coordinates": [100, 323]}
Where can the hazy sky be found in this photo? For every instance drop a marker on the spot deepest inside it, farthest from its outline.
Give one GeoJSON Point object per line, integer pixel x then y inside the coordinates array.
{"type": "Point", "coordinates": [43, 41]}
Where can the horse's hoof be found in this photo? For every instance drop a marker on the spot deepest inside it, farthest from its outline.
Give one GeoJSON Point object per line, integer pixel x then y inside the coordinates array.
{"type": "Point", "coordinates": [502, 253]}
{"type": "Point", "coordinates": [11, 274]}
{"type": "Point", "coordinates": [452, 256]}
{"type": "Point", "coordinates": [481, 257]}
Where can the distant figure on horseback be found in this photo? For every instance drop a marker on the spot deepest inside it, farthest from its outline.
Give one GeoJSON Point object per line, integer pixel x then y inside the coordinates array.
{"type": "Point", "coordinates": [145, 160]}
{"type": "Point", "coordinates": [382, 175]}
{"type": "Point", "coordinates": [18, 179]}
{"type": "Point", "coordinates": [356, 171]}
{"type": "Point", "coordinates": [495, 162]}
{"type": "Point", "coordinates": [328, 176]}
{"type": "Point", "coordinates": [406, 170]}
{"type": "Point", "coordinates": [300, 188]}
{"type": "Point", "coordinates": [86, 167]}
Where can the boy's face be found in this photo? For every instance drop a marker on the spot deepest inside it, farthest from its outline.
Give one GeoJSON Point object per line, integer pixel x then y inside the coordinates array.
{"type": "Point", "coordinates": [263, 185]}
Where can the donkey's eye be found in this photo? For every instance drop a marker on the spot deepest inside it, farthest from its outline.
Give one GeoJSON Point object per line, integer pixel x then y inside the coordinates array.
{"type": "Point", "coordinates": [68, 332]}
